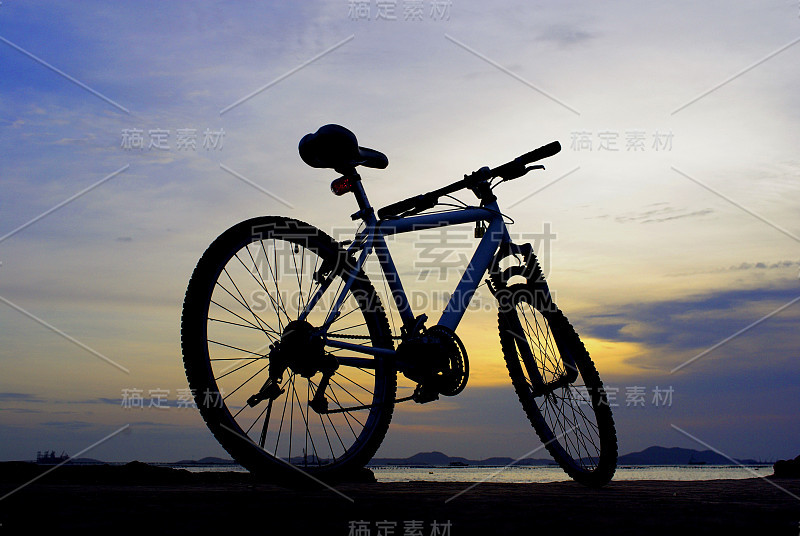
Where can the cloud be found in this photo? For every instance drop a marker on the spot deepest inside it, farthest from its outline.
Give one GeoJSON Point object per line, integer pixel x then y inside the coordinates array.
{"type": "Point", "coordinates": [20, 397]}
{"type": "Point", "coordinates": [761, 266]}
{"type": "Point", "coordinates": [75, 141]}
{"type": "Point", "coordinates": [672, 331]}
{"type": "Point", "coordinates": [72, 425]}
{"type": "Point", "coordinates": [565, 36]}
{"type": "Point", "coordinates": [151, 424]}
{"type": "Point", "coordinates": [661, 212]}
{"type": "Point", "coordinates": [113, 401]}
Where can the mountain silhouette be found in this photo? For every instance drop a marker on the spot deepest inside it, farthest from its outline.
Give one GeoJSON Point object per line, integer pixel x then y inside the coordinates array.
{"type": "Point", "coordinates": [650, 456]}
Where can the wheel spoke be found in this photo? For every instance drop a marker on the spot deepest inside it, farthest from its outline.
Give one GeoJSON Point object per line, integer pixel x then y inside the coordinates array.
{"type": "Point", "coordinates": [339, 373]}
{"type": "Point", "coordinates": [237, 368]}
{"type": "Point", "coordinates": [237, 348]}
{"type": "Point", "coordinates": [266, 332]}
{"type": "Point", "coordinates": [322, 422]}
{"type": "Point", "coordinates": [245, 382]}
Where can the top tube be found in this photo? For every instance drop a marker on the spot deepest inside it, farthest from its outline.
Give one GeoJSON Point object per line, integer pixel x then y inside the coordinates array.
{"type": "Point", "coordinates": [421, 222]}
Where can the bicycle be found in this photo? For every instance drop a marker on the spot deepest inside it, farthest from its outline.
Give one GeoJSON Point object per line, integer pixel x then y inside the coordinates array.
{"type": "Point", "coordinates": [307, 380]}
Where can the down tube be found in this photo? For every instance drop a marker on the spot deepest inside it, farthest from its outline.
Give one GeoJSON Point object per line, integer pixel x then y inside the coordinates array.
{"type": "Point", "coordinates": [496, 233]}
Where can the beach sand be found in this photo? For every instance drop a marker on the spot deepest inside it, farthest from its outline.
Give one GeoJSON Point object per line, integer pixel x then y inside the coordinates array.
{"type": "Point", "coordinates": [143, 499]}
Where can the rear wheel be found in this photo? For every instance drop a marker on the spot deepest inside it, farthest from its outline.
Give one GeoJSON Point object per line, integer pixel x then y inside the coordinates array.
{"type": "Point", "coordinates": [254, 365]}
{"type": "Point", "coordinates": [558, 385]}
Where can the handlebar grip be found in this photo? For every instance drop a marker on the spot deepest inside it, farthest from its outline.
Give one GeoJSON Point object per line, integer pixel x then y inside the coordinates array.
{"type": "Point", "coordinates": [544, 151]}
{"type": "Point", "coordinates": [406, 204]}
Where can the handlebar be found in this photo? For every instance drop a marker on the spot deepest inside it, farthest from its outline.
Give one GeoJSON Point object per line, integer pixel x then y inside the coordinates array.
{"type": "Point", "coordinates": [508, 171]}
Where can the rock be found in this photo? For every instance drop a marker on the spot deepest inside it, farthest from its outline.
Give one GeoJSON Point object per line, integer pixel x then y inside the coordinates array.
{"type": "Point", "coordinates": [787, 468]}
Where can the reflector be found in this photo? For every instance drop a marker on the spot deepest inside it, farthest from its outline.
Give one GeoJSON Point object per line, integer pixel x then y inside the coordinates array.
{"type": "Point", "coordinates": [342, 185]}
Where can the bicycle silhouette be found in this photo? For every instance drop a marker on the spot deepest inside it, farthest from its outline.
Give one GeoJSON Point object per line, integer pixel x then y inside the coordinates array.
{"type": "Point", "coordinates": [288, 349]}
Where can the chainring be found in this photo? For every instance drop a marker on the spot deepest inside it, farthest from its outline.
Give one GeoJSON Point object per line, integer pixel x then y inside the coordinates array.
{"type": "Point", "coordinates": [453, 380]}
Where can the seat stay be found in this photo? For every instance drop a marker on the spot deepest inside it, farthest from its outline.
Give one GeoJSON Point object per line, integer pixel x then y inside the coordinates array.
{"type": "Point", "coordinates": [392, 278]}
{"type": "Point", "coordinates": [351, 275]}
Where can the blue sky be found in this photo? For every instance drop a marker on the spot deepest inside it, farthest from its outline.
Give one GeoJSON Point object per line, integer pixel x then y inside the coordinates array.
{"type": "Point", "coordinates": [659, 255]}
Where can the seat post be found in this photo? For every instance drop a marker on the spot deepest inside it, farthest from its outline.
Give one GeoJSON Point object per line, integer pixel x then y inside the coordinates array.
{"type": "Point", "coordinates": [365, 209]}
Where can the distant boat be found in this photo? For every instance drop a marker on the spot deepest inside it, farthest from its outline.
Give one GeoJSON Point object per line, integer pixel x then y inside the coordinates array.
{"type": "Point", "coordinates": [49, 457]}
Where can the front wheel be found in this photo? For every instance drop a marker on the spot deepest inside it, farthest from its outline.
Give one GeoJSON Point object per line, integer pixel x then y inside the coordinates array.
{"type": "Point", "coordinates": [558, 386]}
{"type": "Point", "coordinates": [255, 362]}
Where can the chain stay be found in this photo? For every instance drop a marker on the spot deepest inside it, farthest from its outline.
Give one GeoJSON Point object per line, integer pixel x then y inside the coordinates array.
{"type": "Point", "coordinates": [368, 406]}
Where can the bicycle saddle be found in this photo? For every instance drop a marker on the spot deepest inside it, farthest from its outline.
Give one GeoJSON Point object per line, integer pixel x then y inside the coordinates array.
{"type": "Point", "coordinates": [333, 146]}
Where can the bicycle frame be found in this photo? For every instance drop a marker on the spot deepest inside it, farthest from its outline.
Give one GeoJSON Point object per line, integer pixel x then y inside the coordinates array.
{"type": "Point", "coordinates": [372, 237]}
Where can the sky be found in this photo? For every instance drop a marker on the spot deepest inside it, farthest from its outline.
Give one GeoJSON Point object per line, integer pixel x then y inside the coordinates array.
{"type": "Point", "coordinates": [667, 225]}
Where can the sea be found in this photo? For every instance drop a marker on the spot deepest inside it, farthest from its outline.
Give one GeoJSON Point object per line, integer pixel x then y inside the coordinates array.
{"type": "Point", "coordinates": [537, 474]}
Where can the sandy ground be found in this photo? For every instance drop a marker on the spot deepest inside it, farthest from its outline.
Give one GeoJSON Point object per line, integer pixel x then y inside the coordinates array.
{"type": "Point", "coordinates": [149, 500]}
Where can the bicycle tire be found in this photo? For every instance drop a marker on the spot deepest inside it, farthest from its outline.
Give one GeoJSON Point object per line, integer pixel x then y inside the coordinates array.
{"type": "Point", "coordinates": [204, 356]}
{"type": "Point", "coordinates": [583, 443]}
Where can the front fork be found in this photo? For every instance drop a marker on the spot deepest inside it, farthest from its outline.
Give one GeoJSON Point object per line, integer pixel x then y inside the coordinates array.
{"type": "Point", "coordinates": [536, 290]}
{"type": "Point", "coordinates": [539, 386]}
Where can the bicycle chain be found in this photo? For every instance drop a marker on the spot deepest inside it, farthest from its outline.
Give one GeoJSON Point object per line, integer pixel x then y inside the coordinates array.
{"type": "Point", "coordinates": [361, 337]}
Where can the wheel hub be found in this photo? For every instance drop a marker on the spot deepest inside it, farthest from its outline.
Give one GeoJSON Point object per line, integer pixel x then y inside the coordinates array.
{"type": "Point", "coordinates": [299, 349]}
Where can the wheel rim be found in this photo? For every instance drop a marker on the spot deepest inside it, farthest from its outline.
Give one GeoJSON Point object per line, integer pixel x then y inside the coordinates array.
{"type": "Point", "coordinates": [261, 289]}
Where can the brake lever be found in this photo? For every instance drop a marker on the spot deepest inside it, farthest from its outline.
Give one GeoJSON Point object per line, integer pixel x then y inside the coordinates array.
{"type": "Point", "coordinates": [523, 171]}
{"type": "Point", "coordinates": [530, 168]}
